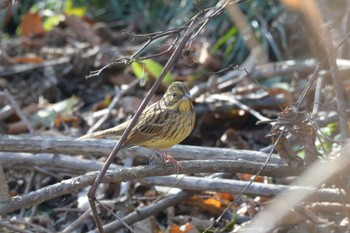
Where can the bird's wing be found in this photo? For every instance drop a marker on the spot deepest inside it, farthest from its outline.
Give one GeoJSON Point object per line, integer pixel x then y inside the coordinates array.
{"type": "Point", "coordinates": [151, 129]}
{"type": "Point", "coordinates": [148, 128]}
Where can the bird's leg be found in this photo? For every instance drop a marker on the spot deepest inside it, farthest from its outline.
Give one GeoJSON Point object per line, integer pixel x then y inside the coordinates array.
{"type": "Point", "coordinates": [165, 158]}
{"type": "Point", "coordinates": [158, 155]}
{"type": "Point", "coordinates": [170, 159]}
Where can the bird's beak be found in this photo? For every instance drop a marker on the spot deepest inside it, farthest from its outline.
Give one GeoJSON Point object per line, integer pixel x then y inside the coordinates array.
{"type": "Point", "coordinates": [187, 97]}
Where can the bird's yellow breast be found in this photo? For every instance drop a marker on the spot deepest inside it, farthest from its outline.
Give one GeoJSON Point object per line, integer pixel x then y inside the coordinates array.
{"type": "Point", "coordinates": [177, 132]}
{"type": "Point", "coordinates": [185, 106]}
{"type": "Point", "coordinates": [160, 144]}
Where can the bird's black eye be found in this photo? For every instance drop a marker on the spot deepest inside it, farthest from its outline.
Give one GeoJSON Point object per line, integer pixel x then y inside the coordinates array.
{"type": "Point", "coordinates": [174, 95]}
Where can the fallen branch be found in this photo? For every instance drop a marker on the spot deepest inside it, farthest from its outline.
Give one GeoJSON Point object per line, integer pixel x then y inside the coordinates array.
{"type": "Point", "coordinates": [316, 175]}
{"type": "Point", "coordinates": [236, 186]}
{"type": "Point", "coordinates": [126, 174]}
{"type": "Point", "coordinates": [62, 61]}
{"type": "Point", "coordinates": [11, 160]}
{"type": "Point", "coordinates": [144, 212]}
{"type": "Point", "coordinates": [104, 147]}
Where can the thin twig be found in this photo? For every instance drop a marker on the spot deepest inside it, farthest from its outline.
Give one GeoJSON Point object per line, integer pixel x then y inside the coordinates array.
{"type": "Point", "coordinates": [313, 177]}
{"type": "Point", "coordinates": [13, 228]}
{"type": "Point", "coordinates": [29, 182]}
{"type": "Point", "coordinates": [314, 18]}
{"type": "Point", "coordinates": [20, 113]}
{"type": "Point", "coordinates": [4, 190]}
{"type": "Point", "coordinates": [120, 220]}
{"type": "Point", "coordinates": [77, 222]}
{"type": "Point", "coordinates": [242, 106]}
{"type": "Point", "coordinates": [114, 102]}
{"type": "Point", "coordinates": [308, 86]}
{"type": "Point", "coordinates": [142, 213]}
{"type": "Point", "coordinates": [317, 98]}
{"type": "Point", "coordinates": [217, 220]}
{"type": "Point", "coordinates": [35, 227]}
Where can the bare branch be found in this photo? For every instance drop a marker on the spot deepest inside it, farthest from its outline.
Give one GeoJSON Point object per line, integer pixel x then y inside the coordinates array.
{"type": "Point", "coordinates": [314, 176]}
{"type": "Point", "coordinates": [4, 190]}
{"type": "Point", "coordinates": [236, 186]}
{"type": "Point", "coordinates": [100, 147]}
{"type": "Point", "coordinates": [126, 174]}
{"type": "Point", "coordinates": [142, 213]}
{"type": "Point", "coordinates": [11, 160]}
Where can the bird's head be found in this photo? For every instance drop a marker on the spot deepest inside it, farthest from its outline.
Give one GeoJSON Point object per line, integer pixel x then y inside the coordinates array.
{"type": "Point", "coordinates": [178, 97]}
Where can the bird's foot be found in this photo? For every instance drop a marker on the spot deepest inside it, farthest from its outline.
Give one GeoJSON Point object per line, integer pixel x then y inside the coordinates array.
{"type": "Point", "coordinates": [165, 158]}
{"type": "Point", "coordinates": [170, 159]}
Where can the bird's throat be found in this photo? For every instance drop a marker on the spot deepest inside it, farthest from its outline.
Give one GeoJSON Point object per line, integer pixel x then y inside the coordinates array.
{"type": "Point", "coordinates": [185, 105]}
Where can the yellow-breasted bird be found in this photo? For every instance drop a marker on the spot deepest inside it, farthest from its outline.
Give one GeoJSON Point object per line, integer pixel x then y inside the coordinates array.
{"type": "Point", "coordinates": [161, 125]}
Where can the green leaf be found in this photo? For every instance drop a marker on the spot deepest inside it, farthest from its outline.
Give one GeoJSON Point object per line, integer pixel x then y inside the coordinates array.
{"type": "Point", "coordinates": [150, 68]}
{"type": "Point", "coordinates": [225, 39]}
{"type": "Point", "coordinates": [69, 9]}
{"type": "Point", "coordinates": [52, 21]}
{"type": "Point", "coordinates": [47, 116]}
{"type": "Point", "coordinates": [138, 70]}
{"type": "Point", "coordinates": [230, 226]}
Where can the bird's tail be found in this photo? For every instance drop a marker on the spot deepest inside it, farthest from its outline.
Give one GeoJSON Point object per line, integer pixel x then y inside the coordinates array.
{"type": "Point", "coordinates": [99, 134]}
{"type": "Point", "coordinates": [112, 133]}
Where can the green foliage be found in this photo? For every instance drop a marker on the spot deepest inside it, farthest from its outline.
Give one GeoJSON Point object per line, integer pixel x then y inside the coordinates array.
{"type": "Point", "coordinates": [52, 11]}
{"type": "Point", "coordinates": [149, 16]}
{"type": "Point", "coordinates": [228, 38]}
{"type": "Point", "coordinates": [150, 68]}
{"type": "Point", "coordinates": [228, 228]}
{"type": "Point", "coordinates": [50, 22]}
{"type": "Point", "coordinates": [329, 131]}
{"type": "Point", "coordinates": [155, 15]}
{"type": "Point", "coordinates": [47, 116]}
{"type": "Point", "coordinates": [70, 9]}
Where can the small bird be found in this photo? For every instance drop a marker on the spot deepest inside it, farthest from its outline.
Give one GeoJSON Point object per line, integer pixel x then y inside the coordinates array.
{"type": "Point", "coordinates": [161, 125]}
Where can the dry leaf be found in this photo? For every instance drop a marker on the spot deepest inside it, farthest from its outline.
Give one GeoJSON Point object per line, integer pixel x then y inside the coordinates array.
{"type": "Point", "coordinates": [31, 25]}
{"type": "Point", "coordinates": [186, 228]}
{"type": "Point", "coordinates": [82, 30]}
